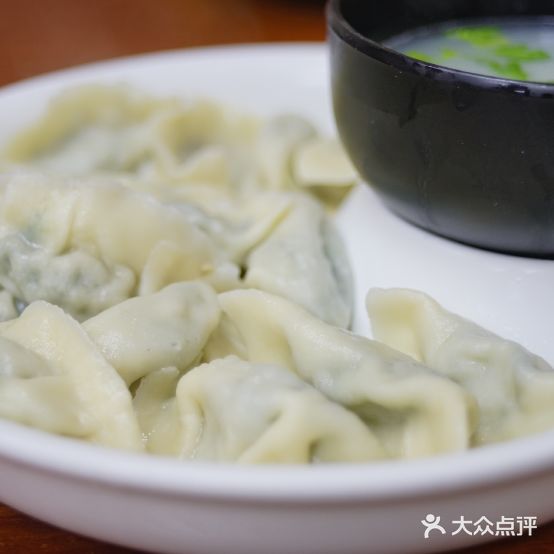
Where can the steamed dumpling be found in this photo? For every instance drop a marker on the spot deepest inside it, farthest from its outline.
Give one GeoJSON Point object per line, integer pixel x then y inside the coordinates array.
{"type": "Point", "coordinates": [235, 231]}
{"type": "Point", "coordinates": [201, 143]}
{"type": "Point", "coordinates": [233, 410]}
{"type": "Point", "coordinates": [92, 128]}
{"type": "Point", "coordinates": [414, 411]}
{"type": "Point", "coordinates": [79, 283]}
{"type": "Point", "coordinates": [243, 224]}
{"type": "Point", "coordinates": [277, 141]}
{"type": "Point", "coordinates": [197, 149]}
{"type": "Point", "coordinates": [85, 244]}
{"type": "Point", "coordinates": [157, 412]}
{"type": "Point", "coordinates": [304, 260]}
{"type": "Point", "coordinates": [320, 165]}
{"type": "Point", "coordinates": [105, 218]}
{"type": "Point", "coordinates": [32, 394]}
{"type": "Point", "coordinates": [166, 329]}
{"type": "Point", "coordinates": [513, 388]}
{"type": "Point", "coordinates": [116, 130]}
{"type": "Point", "coordinates": [124, 226]}
{"type": "Point", "coordinates": [94, 399]}
{"type": "Point", "coordinates": [8, 306]}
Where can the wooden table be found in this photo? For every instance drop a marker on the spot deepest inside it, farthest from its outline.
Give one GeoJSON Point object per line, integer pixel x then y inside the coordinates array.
{"type": "Point", "coordinates": [37, 36]}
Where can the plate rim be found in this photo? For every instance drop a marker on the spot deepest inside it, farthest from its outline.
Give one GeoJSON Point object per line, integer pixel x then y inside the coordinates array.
{"type": "Point", "coordinates": [371, 482]}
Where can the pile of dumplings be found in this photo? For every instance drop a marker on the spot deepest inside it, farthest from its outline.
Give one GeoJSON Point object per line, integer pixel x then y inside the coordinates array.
{"type": "Point", "coordinates": [171, 282]}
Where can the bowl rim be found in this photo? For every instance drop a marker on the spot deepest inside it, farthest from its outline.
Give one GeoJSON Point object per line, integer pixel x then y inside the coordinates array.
{"type": "Point", "coordinates": [340, 26]}
{"type": "Point", "coordinates": [489, 466]}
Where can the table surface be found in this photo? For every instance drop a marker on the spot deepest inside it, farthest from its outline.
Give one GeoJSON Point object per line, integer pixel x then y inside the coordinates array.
{"type": "Point", "coordinates": [41, 36]}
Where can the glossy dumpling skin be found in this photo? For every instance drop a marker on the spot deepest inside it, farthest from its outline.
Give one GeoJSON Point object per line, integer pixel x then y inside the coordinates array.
{"type": "Point", "coordinates": [85, 244]}
{"type": "Point", "coordinates": [513, 387]}
{"type": "Point", "coordinates": [117, 130]}
{"type": "Point", "coordinates": [110, 220]}
{"type": "Point", "coordinates": [33, 394]}
{"type": "Point", "coordinates": [165, 329]}
{"type": "Point", "coordinates": [234, 229]}
{"type": "Point", "coordinates": [125, 226]}
{"type": "Point", "coordinates": [198, 149]}
{"type": "Point", "coordinates": [157, 412]}
{"type": "Point", "coordinates": [92, 128]}
{"type": "Point", "coordinates": [91, 393]}
{"type": "Point", "coordinates": [320, 165]}
{"type": "Point", "coordinates": [278, 139]}
{"type": "Point", "coordinates": [233, 410]}
{"type": "Point", "coordinates": [305, 261]}
{"type": "Point", "coordinates": [78, 282]}
{"type": "Point", "coordinates": [412, 410]}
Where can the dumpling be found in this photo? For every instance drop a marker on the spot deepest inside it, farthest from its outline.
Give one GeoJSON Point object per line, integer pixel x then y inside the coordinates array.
{"type": "Point", "coordinates": [76, 281]}
{"type": "Point", "coordinates": [47, 220]}
{"type": "Point", "coordinates": [414, 411]}
{"type": "Point", "coordinates": [205, 169]}
{"type": "Point", "coordinates": [157, 412]}
{"type": "Point", "coordinates": [304, 260]}
{"type": "Point", "coordinates": [235, 231]}
{"type": "Point", "coordinates": [276, 143]}
{"type": "Point", "coordinates": [232, 410]}
{"type": "Point", "coordinates": [197, 150]}
{"type": "Point", "coordinates": [147, 333]}
{"type": "Point", "coordinates": [84, 245]}
{"type": "Point", "coordinates": [117, 130]}
{"type": "Point", "coordinates": [8, 306]}
{"type": "Point", "coordinates": [103, 401]}
{"type": "Point", "coordinates": [201, 143]}
{"type": "Point", "coordinates": [244, 223]}
{"type": "Point", "coordinates": [168, 263]}
{"type": "Point", "coordinates": [92, 128]}
{"type": "Point", "coordinates": [124, 226]}
{"type": "Point", "coordinates": [321, 166]}
{"type": "Point", "coordinates": [49, 403]}
{"type": "Point", "coordinates": [107, 220]}
{"type": "Point", "coordinates": [513, 388]}
{"type": "Point", "coordinates": [32, 394]}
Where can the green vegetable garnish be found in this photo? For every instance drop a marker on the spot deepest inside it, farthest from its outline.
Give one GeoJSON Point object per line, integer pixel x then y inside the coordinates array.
{"type": "Point", "coordinates": [487, 37]}
{"type": "Point", "coordinates": [420, 56]}
{"type": "Point", "coordinates": [494, 44]}
{"type": "Point", "coordinates": [510, 69]}
{"type": "Point", "coordinates": [488, 46]}
{"type": "Point", "coordinates": [448, 53]}
{"type": "Point", "coordinates": [521, 52]}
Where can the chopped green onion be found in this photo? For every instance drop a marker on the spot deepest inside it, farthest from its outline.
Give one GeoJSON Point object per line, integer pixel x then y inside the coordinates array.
{"type": "Point", "coordinates": [486, 37]}
{"type": "Point", "coordinates": [420, 56]}
{"type": "Point", "coordinates": [521, 52]}
{"type": "Point", "coordinates": [448, 53]}
{"type": "Point", "coordinates": [510, 69]}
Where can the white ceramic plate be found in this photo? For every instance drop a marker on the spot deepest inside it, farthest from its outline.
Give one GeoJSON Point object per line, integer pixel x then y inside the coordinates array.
{"type": "Point", "coordinates": [168, 506]}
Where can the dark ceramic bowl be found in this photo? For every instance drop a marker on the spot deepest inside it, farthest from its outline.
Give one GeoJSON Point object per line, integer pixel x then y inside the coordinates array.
{"type": "Point", "coordinates": [466, 156]}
